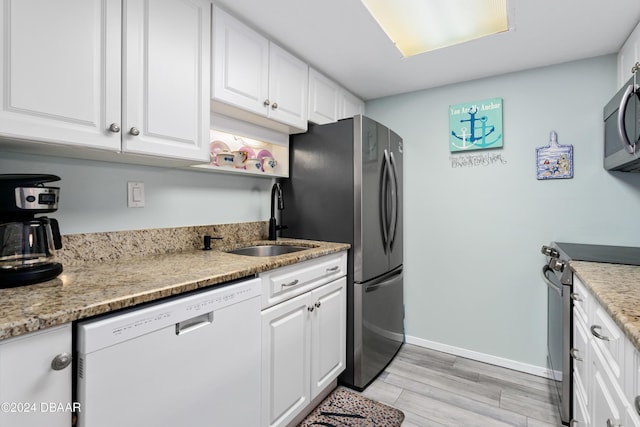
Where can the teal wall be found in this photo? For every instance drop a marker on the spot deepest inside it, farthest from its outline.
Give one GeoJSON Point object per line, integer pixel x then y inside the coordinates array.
{"type": "Point", "coordinates": [473, 234]}
{"type": "Point", "coordinates": [93, 194]}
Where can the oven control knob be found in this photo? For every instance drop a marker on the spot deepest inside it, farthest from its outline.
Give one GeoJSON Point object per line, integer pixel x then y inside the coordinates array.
{"type": "Point", "coordinates": [549, 251]}
{"type": "Point", "coordinates": [557, 264]}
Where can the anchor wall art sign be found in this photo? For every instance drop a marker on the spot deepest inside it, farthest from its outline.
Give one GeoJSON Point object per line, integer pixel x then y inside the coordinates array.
{"type": "Point", "coordinates": [475, 125]}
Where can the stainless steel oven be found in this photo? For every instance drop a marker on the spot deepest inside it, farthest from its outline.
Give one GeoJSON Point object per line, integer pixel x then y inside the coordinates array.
{"type": "Point", "coordinates": [559, 279]}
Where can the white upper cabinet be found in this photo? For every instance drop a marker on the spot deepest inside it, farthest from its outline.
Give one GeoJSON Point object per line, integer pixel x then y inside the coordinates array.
{"type": "Point", "coordinates": [324, 98]}
{"type": "Point", "coordinates": [351, 105]}
{"type": "Point", "coordinates": [328, 101]}
{"type": "Point", "coordinates": [627, 57]}
{"type": "Point", "coordinates": [60, 79]}
{"type": "Point", "coordinates": [88, 73]}
{"type": "Point", "coordinates": [166, 67]}
{"type": "Point", "coordinates": [255, 80]}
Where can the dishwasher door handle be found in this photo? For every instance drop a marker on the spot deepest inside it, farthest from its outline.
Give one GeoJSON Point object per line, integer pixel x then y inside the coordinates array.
{"type": "Point", "coordinates": [194, 323]}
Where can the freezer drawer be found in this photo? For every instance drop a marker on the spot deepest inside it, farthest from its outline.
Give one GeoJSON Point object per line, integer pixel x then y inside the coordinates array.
{"type": "Point", "coordinates": [379, 333]}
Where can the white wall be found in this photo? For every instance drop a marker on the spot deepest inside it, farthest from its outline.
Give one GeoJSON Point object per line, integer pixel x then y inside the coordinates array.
{"type": "Point", "coordinates": [473, 235]}
{"type": "Point", "coordinates": [93, 194]}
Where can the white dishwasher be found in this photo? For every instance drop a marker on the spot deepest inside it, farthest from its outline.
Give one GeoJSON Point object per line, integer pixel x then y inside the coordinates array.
{"type": "Point", "coordinates": [189, 361]}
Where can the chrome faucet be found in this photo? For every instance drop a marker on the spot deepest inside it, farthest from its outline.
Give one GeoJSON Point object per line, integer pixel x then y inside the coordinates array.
{"type": "Point", "coordinates": [273, 225]}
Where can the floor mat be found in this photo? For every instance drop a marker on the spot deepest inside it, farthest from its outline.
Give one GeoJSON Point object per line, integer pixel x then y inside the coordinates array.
{"type": "Point", "coordinates": [345, 408]}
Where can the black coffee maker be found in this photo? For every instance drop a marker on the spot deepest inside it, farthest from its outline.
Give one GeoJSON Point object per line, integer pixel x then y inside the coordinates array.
{"type": "Point", "coordinates": [27, 243]}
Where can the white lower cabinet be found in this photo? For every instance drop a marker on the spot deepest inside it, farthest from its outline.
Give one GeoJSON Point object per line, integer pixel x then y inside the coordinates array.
{"type": "Point", "coordinates": [303, 349]}
{"type": "Point", "coordinates": [35, 379]}
{"type": "Point", "coordinates": [602, 366]}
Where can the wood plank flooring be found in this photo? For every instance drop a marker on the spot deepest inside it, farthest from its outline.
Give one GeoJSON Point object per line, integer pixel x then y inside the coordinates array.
{"type": "Point", "coordinates": [440, 389]}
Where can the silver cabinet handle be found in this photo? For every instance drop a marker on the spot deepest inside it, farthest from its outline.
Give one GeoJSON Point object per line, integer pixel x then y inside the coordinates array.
{"type": "Point", "coordinates": [274, 106]}
{"type": "Point", "coordinates": [574, 354]}
{"type": "Point", "coordinates": [61, 361]}
{"type": "Point", "coordinates": [597, 334]}
{"type": "Point", "coordinates": [266, 102]}
{"type": "Point", "coordinates": [286, 285]}
{"type": "Point", "coordinates": [310, 308]}
{"type": "Point", "coordinates": [637, 402]}
{"type": "Point", "coordinates": [332, 269]}
{"type": "Point", "coordinates": [134, 131]}
{"type": "Point", "coordinates": [115, 128]}
{"type": "Point", "coordinates": [318, 304]}
{"type": "Point", "coordinates": [576, 296]}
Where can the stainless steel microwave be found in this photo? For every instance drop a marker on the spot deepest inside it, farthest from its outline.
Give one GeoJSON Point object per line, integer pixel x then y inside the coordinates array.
{"type": "Point", "coordinates": [622, 129]}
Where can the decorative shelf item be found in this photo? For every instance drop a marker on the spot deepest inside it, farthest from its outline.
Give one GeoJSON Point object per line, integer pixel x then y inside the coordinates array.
{"type": "Point", "coordinates": [242, 148]}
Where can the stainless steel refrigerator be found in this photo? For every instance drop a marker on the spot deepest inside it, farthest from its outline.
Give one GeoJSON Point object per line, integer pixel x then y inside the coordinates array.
{"type": "Point", "coordinates": [345, 185]}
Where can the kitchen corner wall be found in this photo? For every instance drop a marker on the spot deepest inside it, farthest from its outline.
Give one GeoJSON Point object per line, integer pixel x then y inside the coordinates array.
{"type": "Point", "coordinates": [473, 233]}
{"type": "Point", "coordinates": [93, 195]}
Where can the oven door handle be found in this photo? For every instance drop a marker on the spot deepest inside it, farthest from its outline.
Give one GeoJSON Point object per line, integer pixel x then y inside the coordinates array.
{"type": "Point", "coordinates": [549, 282]}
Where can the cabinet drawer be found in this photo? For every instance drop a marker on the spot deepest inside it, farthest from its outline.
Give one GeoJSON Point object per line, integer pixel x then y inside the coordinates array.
{"type": "Point", "coordinates": [286, 282]}
{"type": "Point", "coordinates": [609, 339]}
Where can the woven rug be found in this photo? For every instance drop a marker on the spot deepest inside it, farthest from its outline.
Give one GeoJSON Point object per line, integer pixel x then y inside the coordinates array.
{"type": "Point", "coordinates": [344, 408]}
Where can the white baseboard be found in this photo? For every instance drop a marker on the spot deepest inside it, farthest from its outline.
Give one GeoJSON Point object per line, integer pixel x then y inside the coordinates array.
{"type": "Point", "coordinates": [481, 357]}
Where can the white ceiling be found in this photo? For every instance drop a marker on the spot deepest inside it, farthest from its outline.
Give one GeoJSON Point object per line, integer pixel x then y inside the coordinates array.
{"type": "Point", "coordinates": [341, 39]}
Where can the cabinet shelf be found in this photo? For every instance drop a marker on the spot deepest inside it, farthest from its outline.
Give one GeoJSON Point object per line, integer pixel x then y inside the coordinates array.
{"type": "Point", "coordinates": [229, 135]}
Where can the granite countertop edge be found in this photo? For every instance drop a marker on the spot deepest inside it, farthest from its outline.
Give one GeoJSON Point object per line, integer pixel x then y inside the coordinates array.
{"type": "Point", "coordinates": [94, 288]}
{"type": "Point", "coordinates": [617, 288]}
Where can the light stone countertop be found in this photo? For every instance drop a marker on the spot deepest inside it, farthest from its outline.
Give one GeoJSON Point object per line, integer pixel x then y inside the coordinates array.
{"type": "Point", "coordinates": [617, 289]}
{"type": "Point", "coordinates": [96, 287]}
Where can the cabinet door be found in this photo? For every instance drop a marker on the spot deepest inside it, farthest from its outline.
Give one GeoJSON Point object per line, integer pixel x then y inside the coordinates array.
{"type": "Point", "coordinates": [288, 88]}
{"type": "Point", "coordinates": [351, 106]}
{"type": "Point", "coordinates": [628, 55]}
{"type": "Point", "coordinates": [324, 97]}
{"type": "Point", "coordinates": [607, 405]}
{"type": "Point", "coordinates": [328, 336]}
{"type": "Point", "coordinates": [166, 68]}
{"type": "Point", "coordinates": [27, 377]}
{"type": "Point", "coordinates": [580, 407]}
{"type": "Point", "coordinates": [285, 360]}
{"type": "Point", "coordinates": [60, 79]}
{"type": "Point", "coordinates": [240, 64]}
{"type": "Point", "coordinates": [580, 355]}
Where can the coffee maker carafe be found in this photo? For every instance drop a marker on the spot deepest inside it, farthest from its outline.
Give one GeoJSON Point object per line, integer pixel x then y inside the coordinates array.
{"type": "Point", "coordinates": [27, 243]}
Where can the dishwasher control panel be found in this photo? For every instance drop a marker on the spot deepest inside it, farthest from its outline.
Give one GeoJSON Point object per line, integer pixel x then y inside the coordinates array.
{"type": "Point", "coordinates": [113, 328]}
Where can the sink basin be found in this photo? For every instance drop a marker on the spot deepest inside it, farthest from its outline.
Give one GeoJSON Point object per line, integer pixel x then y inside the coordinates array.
{"type": "Point", "coordinates": [267, 250]}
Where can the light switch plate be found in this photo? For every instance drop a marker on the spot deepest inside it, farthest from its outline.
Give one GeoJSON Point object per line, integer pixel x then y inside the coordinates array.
{"type": "Point", "coordinates": [135, 194]}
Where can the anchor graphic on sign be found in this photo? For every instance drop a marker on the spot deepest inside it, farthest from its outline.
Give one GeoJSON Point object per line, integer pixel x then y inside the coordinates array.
{"type": "Point", "coordinates": [471, 139]}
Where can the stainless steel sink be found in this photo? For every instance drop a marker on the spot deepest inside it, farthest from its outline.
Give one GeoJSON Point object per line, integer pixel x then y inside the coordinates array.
{"type": "Point", "coordinates": [267, 250]}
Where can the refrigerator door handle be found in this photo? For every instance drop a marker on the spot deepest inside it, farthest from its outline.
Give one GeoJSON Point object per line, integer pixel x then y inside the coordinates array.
{"type": "Point", "coordinates": [384, 220]}
{"type": "Point", "coordinates": [394, 200]}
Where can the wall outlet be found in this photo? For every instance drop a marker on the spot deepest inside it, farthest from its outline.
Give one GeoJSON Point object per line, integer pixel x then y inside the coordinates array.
{"type": "Point", "coordinates": [135, 194]}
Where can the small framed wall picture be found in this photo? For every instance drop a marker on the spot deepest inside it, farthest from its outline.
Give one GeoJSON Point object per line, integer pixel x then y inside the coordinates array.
{"type": "Point", "coordinates": [475, 125]}
{"type": "Point", "coordinates": [554, 161]}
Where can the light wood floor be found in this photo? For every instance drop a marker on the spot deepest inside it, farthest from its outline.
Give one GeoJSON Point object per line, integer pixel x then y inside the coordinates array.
{"type": "Point", "coordinates": [439, 389]}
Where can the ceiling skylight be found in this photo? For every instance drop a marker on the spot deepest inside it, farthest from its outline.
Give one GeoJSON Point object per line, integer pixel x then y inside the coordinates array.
{"type": "Point", "coordinates": [418, 26]}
